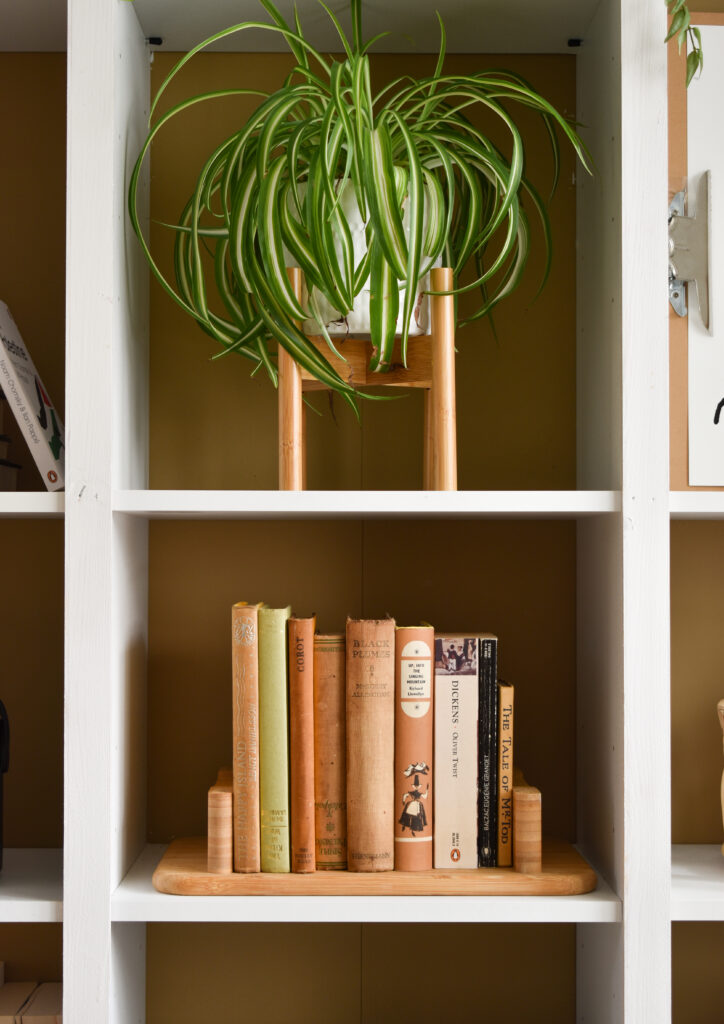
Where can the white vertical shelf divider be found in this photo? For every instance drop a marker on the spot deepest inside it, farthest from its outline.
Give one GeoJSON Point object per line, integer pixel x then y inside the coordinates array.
{"type": "Point", "coordinates": [106, 570]}
{"type": "Point", "coordinates": [623, 590]}
{"type": "Point", "coordinates": [600, 955]}
{"type": "Point", "coordinates": [645, 492]}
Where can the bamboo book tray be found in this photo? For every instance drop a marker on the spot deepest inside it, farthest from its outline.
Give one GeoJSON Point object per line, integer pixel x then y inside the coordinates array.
{"type": "Point", "coordinates": [182, 871]}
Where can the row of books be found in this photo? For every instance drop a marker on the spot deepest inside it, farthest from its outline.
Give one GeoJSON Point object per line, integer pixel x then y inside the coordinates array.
{"type": "Point", "coordinates": [384, 747]}
{"type": "Point", "coordinates": [30, 1002]}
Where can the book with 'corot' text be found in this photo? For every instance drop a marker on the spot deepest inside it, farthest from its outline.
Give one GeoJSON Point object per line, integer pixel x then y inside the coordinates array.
{"type": "Point", "coordinates": [330, 752]}
{"type": "Point", "coordinates": [414, 653]}
{"type": "Point", "coordinates": [273, 745]}
{"type": "Point", "coordinates": [301, 741]}
{"type": "Point", "coordinates": [370, 744]}
{"type": "Point", "coordinates": [245, 735]}
{"type": "Point", "coordinates": [455, 842]}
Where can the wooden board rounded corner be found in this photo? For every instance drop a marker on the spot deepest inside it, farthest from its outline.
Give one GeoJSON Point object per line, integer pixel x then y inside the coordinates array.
{"type": "Point", "coordinates": [182, 872]}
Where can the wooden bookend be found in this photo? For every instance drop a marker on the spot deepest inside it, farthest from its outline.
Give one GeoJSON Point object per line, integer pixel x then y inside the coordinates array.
{"type": "Point", "coordinates": [220, 855]}
{"type": "Point", "coordinates": [430, 365]}
{"type": "Point", "coordinates": [527, 839]}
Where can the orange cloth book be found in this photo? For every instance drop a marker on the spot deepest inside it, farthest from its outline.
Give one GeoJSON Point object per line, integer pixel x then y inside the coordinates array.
{"type": "Point", "coordinates": [330, 752]}
{"type": "Point", "coordinates": [301, 741]}
{"type": "Point", "coordinates": [414, 649]}
{"type": "Point", "coordinates": [370, 744]}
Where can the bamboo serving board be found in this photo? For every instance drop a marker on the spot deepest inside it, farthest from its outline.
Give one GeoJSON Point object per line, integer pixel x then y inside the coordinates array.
{"type": "Point", "coordinates": [182, 871]}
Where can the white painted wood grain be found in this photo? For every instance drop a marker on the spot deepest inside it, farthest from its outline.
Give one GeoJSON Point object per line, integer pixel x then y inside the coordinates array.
{"type": "Point", "coordinates": [128, 974]}
{"type": "Point", "coordinates": [106, 48]}
{"type": "Point", "coordinates": [32, 504]}
{"type": "Point", "coordinates": [136, 900]}
{"type": "Point", "coordinates": [33, 26]}
{"type": "Point", "coordinates": [518, 26]}
{"type": "Point", "coordinates": [365, 504]}
{"type": "Point", "coordinates": [645, 483]}
{"type": "Point", "coordinates": [697, 882]}
{"type": "Point", "coordinates": [696, 504]}
{"type": "Point", "coordinates": [31, 885]}
{"type": "Point", "coordinates": [600, 746]}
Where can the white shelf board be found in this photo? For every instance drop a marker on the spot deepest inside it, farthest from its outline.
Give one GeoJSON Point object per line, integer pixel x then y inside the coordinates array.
{"type": "Point", "coordinates": [696, 504]}
{"type": "Point", "coordinates": [31, 885]}
{"type": "Point", "coordinates": [135, 899]}
{"type": "Point", "coordinates": [365, 504]}
{"type": "Point", "coordinates": [518, 26]}
{"type": "Point", "coordinates": [697, 883]}
{"type": "Point", "coordinates": [32, 504]}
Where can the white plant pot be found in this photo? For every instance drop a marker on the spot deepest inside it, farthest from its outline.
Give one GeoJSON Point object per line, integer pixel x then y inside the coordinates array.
{"type": "Point", "coordinates": [356, 324]}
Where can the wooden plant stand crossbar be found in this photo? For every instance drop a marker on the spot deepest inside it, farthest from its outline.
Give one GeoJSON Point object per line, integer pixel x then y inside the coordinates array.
{"type": "Point", "coordinates": [430, 365]}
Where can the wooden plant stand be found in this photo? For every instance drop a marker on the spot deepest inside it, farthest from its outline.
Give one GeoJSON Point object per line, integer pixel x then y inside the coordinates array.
{"type": "Point", "coordinates": [430, 365]}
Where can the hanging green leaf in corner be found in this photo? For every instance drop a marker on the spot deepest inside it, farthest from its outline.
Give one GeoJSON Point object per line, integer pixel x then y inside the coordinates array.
{"type": "Point", "coordinates": [682, 30]}
{"type": "Point", "coordinates": [364, 191]}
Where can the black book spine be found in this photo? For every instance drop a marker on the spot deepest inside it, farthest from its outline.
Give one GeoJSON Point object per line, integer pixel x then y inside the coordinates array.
{"type": "Point", "coordinates": [488, 753]}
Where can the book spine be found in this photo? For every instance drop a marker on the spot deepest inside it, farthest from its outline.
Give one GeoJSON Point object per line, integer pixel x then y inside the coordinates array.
{"type": "Point", "coordinates": [301, 741]}
{"type": "Point", "coordinates": [220, 851]}
{"type": "Point", "coordinates": [455, 842]}
{"type": "Point", "coordinates": [414, 646]}
{"type": "Point", "coordinates": [330, 752]}
{"type": "Point", "coordinates": [505, 774]}
{"type": "Point", "coordinates": [370, 744]}
{"type": "Point", "coordinates": [35, 413]}
{"type": "Point", "coordinates": [488, 753]}
{"type": "Point", "coordinates": [245, 736]}
{"type": "Point", "coordinates": [273, 746]}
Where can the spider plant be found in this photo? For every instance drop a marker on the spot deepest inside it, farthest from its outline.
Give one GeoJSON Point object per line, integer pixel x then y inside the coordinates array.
{"type": "Point", "coordinates": [430, 186]}
{"type": "Point", "coordinates": [682, 28]}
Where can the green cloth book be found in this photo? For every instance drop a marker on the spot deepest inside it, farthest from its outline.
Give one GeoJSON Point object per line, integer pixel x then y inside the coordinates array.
{"type": "Point", "coordinates": [273, 743]}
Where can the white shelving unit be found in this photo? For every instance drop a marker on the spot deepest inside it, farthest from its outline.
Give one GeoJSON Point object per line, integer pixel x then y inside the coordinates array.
{"type": "Point", "coordinates": [697, 882]}
{"type": "Point", "coordinates": [32, 505]}
{"type": "Point", "coordinates": [697, 505]}
{"type": "Point", "coordinates": [622, 510]}
{"type": "Point", "coordinates": [365, 504]}
{"type": "Point", "coordinates": [32, 886]}
{"type": "Point", "coordinates": [135, 899]}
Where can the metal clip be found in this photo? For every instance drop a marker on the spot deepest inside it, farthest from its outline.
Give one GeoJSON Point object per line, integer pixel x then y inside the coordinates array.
{"type": "Point", "coordinates": [689, 250]}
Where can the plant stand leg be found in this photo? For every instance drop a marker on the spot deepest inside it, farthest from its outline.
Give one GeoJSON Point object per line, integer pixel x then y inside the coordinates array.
{"type": "Point", "coordinates": [442, 413]}
{"type": "Point", "coordinates": [291, 417]}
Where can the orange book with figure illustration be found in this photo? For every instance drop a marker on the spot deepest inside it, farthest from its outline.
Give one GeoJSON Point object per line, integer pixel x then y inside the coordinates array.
{"type": "Point", "coordinates": [414, 672]}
